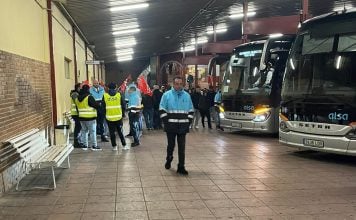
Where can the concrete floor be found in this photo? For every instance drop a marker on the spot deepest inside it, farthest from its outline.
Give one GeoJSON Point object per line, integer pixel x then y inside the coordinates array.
{"type": "Point", "coordinates": [231, 176]}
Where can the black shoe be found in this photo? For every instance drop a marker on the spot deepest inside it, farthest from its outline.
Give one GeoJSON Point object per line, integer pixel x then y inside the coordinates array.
{"type": "Point", "coordinates": [181, 170]}
{"type": "Point", "coordinates": [129, 135]}
{"type": "Point", "coordinates": [168, 163]}
{"type": "Point", "coordinates": [96, 148]}
{"type": "Point", "coordinates": [104, 139]}
{"type": "Point", "coordinates": [135, 144]}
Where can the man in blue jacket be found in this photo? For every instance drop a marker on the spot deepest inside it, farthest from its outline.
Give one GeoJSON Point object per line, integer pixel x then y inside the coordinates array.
{"type": "Point", "coordinates": [177, 111]}
{"type": "Point", "coordinates": [97, 92]}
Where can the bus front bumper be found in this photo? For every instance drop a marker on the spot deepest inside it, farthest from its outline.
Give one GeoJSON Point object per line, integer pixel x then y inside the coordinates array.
{"type": "Point", "coordinates": [242, 125]}
{"type": "Point", "coordinates": [332, 144]}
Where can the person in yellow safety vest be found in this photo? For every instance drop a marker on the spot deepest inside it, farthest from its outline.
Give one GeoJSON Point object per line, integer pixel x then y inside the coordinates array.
{"type": "Point", "coordinates": [87, 109]}
{"type": "Point", "coordinates": [114, 106]}
{"type": "Point", "coordinates": [75, 115]}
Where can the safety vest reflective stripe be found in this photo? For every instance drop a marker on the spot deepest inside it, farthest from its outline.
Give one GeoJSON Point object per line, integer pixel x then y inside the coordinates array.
{"type": "Point", "coordinates": [178, 120]}
{"type": "Point", "coordinates": [85, 111]}
{"type": "Point", "coordinates": [178, 111]}
{"type": "Point", "coordinates": [73, 109]}
{"type": "Point", "coordinates": [113, 107]}
{"type": "Point", "coordinates": [113, 116]}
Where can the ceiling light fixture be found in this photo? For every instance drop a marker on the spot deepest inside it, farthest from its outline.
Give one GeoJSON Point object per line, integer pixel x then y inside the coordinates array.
{"type": "Point", "coordinates": [241, 15]}
{"type": "Point", "coordinates": [200, 40]}
{"type": "Point", "coordinates": [187, 48]}
{"type": "Point", "coordinates": [129, 7]}
{"type": "Point", "coordinates": [125, 58]}
{"type": "Point", "coordinates": [126, 26]}
{"type": "Point", "coordinates": [128, 31]}
{"type": "Point", "coordinates": [125, 2]}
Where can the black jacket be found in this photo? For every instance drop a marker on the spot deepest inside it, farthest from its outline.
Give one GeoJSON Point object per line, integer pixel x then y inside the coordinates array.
{"type": "Point", "coordinates": [195, 99]}
{"type": "Point", "coordinates": [157, 96]}
{"type": "Point", "coordinates": [147, 102]}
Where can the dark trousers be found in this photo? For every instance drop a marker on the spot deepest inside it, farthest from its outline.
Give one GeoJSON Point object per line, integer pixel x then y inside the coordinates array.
{"type": "Point", "coordinates": [171, 137]}
{"type": "Point", "coordinates": [203, 115]}
{"type": "Point", "coordinates": [100, 122]}
{"type": "Point", "coordinates": [134, 119]}
{"type": "Point", "coordinates": [148, 114]}
{"type": "Point", "coordinates": [113, 127]}
{"type": "Point", "coordinates": [157, 123]}
{"type": "Point", "coordinates": [77, 128]}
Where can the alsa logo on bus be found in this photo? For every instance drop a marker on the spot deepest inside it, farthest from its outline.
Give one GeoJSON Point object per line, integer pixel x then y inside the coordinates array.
{"type": "Point", "coordinates": [338, 116]}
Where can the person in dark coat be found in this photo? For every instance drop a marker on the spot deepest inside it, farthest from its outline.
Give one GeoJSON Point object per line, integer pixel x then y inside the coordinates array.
{"type": "Point", "coordinates": [156, 96]}
{"type": "Point", "coordinates": [195, 99]}
{"type": "Point", "coordinates": [204, 108]}
{"type": "Point", "coordinates": [147, 101]}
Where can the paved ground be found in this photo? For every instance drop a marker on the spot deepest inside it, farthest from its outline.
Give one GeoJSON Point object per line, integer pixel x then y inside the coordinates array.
{"type": "Point", "coordinates": [231, 176]}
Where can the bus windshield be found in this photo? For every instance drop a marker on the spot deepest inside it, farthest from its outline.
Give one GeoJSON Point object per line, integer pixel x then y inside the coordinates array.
{"type": "Point", "coordinates": [244, 63]}
{"type": "Point", "coordinates": [322, 66]}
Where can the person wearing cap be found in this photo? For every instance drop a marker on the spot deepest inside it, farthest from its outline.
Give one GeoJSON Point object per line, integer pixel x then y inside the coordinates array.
{"type": "Point", "coordinates": [97, 91]}
{"type": "Point", "coordinates": [87, 109]}
{"type": "Point", "coordinates": [113, 104]}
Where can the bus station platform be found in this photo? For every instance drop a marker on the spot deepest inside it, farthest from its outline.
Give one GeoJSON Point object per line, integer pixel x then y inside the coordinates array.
{"type": "Point", "coordinates": [231, 176]}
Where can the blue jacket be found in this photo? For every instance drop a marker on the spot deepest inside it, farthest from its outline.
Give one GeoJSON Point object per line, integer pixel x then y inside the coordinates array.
{"type": "Point", "coordinates": [218, 98]}
{"type": "Point", "coordinates": [177, 111]}
{"type": "Point", "coordinates": [97, 93]}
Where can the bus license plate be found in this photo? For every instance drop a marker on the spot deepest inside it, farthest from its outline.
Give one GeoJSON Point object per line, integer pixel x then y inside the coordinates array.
{"type": "Point", "coordinates": [236, 125]}
{"type": "Point", "coordinates": [314, 143]}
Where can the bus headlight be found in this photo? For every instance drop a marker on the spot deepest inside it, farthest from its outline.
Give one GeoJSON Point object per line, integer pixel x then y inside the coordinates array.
{"type": "Point", "coordinates": [283, 126]}
{"type": "Point", "coordinates": [222, 115]}
{"type": "Point", "coordinates": [262, 114]}
{"type": "Point", "coordinates": [351, 135]}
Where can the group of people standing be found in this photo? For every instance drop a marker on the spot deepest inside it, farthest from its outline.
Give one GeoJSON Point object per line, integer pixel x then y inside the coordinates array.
{"type": "Point", "coordinates": [205, 103]}
{"type": "Point", "coordinates": [95, 110]}
{"type": "Point", "coordinates": [95, 107]}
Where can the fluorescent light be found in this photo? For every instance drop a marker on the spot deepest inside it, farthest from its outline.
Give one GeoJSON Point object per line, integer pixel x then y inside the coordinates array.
{"type": "Point", "coordinates": [132, 25]}
{"type": "Point", "coordinates": [220, 28]}
{"type": "Point", "coordinates": [124, 58]}
{"type": "Point", "coordinates": [127, 50]}
{"type": "Point", "coordinates": [128, 31]}
{"type": "Point", "coordinates": [129, 7]}
{"type": "Point", "coordinates": [125, 43]}
{"type": "Point", "coordinates": [125, 2]}
{"type": "Point", "coordinates": [187, 49]}
{"type": "Point", "coordinates": [218, 31]}
{"type": "Point", "coordinates": [124, 52]}
{"type": "Point", "coordinates": [241, 15]}
{"type": "Point", "coordinates": [200, 40]}
{"type": "Point", "coordinates": [275, 35]}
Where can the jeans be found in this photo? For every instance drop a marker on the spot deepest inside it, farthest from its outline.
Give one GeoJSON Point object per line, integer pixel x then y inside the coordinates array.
{"type": "Point", "coordinates": [134, 119]}
{"type": "Point", "coordinates": [217, 118]}
{"type": "Point", "coordinates": [113, 127]}
{"type": "Point", "coordinates": [171, 137]}
{"type": "Point", "coordinates": [196, 117]}
{"type": "Point", "coordinates": [148, 114]}
{"type": "Point", "coordinates": [89, 127]}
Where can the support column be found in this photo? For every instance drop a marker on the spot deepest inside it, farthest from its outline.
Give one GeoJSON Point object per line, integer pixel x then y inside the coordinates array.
{"type": "Point", "coordinates": [75, 57]}
{"type": "Point", "coordinates": [86, 58]}
{"type": "Point", "coordinates": [245, 20]}
{"type": "Point", "coordinates": [196, 65]}
{"type": "Point", "coordinates": [305, 10]}
{"type": "Point", "coordinates": [51, 57]}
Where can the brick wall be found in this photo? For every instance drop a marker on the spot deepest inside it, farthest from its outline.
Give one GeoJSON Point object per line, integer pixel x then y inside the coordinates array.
{"type": "Point", "coordinates": [25, 95]}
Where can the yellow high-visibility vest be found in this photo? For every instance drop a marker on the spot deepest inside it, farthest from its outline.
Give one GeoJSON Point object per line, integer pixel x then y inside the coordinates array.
{"type": "Point", "coordinates": [85, 111]}
{"type": "Point", "coordinates": [113, 107]}
{"type": "Point", "coordinates": [73, 109]}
